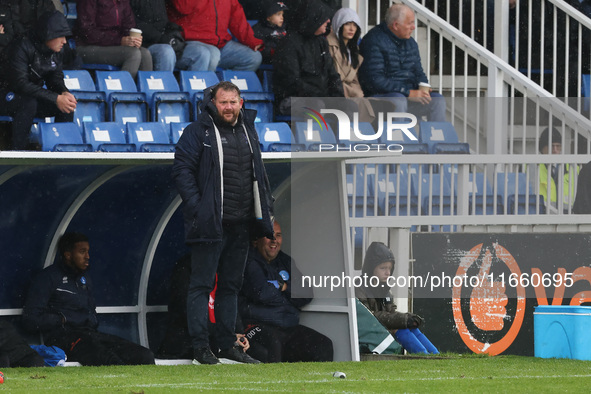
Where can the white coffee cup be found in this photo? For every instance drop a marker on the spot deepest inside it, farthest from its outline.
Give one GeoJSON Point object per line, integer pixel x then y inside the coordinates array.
{"type": "Point", "coordinates": [425, 87]}
{"type": "Point", "coordinates": [133, 32]}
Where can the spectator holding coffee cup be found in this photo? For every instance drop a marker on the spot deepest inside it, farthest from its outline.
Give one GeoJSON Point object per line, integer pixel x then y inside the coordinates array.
{"type": "Point", "coordinates": [106, 33]}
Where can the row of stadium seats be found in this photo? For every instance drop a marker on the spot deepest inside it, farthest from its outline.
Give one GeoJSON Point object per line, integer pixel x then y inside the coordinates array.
{"type": "Point", "coordinates": [433, 137]}
{"type": "Point", "coordinates": [108, 136]}
{"type": "Point", "coordinates": [157, 96]}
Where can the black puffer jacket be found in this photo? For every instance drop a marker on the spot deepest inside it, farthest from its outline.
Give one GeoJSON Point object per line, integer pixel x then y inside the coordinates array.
{"type": "Point", "coordinates": [152, 20]}
{"type": "Point", "coordinates": [28, 63]}
{"type": "Point", "coordinates": [199, 178]}
{"type": "Point", "coordinates": [303, 65]}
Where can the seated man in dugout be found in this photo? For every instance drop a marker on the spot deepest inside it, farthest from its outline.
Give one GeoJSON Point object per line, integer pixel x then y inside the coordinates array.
{"type": "Point", "coordinates": [60, 304]}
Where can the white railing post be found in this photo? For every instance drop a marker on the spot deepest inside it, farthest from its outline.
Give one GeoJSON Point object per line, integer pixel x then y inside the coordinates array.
{"type": "Point", "coordinates": [496, 116]}
{"type": "Point", "coordinates": [501, 29]}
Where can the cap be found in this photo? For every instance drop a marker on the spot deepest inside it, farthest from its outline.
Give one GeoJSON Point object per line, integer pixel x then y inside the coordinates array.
{"type": "Point", "coordinates": [556, 138]}
{"type": "Point", "coordinates": [273, 7]}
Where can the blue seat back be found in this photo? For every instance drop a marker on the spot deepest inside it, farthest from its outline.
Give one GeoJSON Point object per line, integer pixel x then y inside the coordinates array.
{"type": "Point", "coordinates": [176, 130]}
{"type": "Point", "coordinates": [115, 81]}
{"type": "Point", "coordinates": [247, 81]}
{"type": "Point", "coordinates": [107, 136]}
{"type": "Point", "coordinates": [150, 136]}
{"type": "Point", "coordinates": [586, 90]}
{"type": "Point", "coordinates": [274, 134]}
{"type": "Point", "coordinates": [151, 82]}
{"type": "Point", "coordinates": [432, 133]}
{"type": "Point", "coordinates": [197, 81]}
{"type": "Point", "coordinates": [79, 80]}
{"type": "Point", "coordinates": [311, 135]}
{"type": "Point", "coordinates": [62, 137]}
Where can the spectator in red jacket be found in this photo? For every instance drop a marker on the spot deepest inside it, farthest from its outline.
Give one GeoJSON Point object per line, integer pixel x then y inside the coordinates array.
{"type": "Point", "coordinates": [209, 43]}
{"type": "Point", "coordinates": [102, 35]}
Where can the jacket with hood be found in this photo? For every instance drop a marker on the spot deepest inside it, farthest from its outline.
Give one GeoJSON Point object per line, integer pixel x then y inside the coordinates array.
{"type": "Point", "coordinates": [28, 63]}
{"type": "Point", "coordinates": [103, 22]}
{"type": "Point", "coordinates": [198, 174]}
{"type": "Point", "coordinates": [391, 64]}
{"type": "Point", "coordinates": [303, 65]}
{"type": "Point", "coordinates": [348, 74]}
{"type": "Point", "coordinates": [263, 302]}
{"type": "Point", "coordinates": [208, 21]}
{"type": "Point", "coordinates": [151, 19]}
{"type": "Point", "coordinates": [60, 298]}
{"type": "Point", "coordinates": [271, 36]}
{"type": "Point", "coordinates": [379, 300]}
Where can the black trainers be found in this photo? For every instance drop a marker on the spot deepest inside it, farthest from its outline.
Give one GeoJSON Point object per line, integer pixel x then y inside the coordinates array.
{"type": "Point", "coordinates": [204, 355]}
{"type": "Point", "coordinates": [236, 355]}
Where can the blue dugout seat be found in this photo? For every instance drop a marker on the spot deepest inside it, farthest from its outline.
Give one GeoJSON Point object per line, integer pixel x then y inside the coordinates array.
{"type": "Point", "coordinates": [277, 137]}
{"type": "Point", "coordinates": [521, 198]}
{"type": "Point", "coordinates": [311, 136]}
{"type": "Point", "coordinates": [441, 137]}
{"type": "Point", "coordinates": [176, 130]}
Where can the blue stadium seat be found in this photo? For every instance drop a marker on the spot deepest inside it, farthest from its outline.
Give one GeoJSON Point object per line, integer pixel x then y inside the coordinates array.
{"type": "Point", "coordinates": [167, 103]}
{"type": "Point", "coordinates": [482, 201]}
{"type": "Point", "coordinates": [107, 137]}
{"type": "Point", "coordinates": [195, 82]}
{"type": "Point", "coordinates": [441, 137]}
{"type": "Point", "coordinates": [277, 137]}
{"type": "Point", "coordinates": [252, 92]}
{"type": "Point", "coordinates": [397, 190]}
{"type": "Point", "coordinates": [311, 136]}
{"type": "Point", "coordinates": [62, 137]}
{"type": "Point", "coordinates": [92, 104]}
{"type": "Point", "coordinates": [176, 130]}
{"type": "Point", "coordinates": [126, 104]}
{"type": "Point", "coordinates": [586, 90]}
{"type": "Point", "coordinates": [521, 197]}
{"type": "Point", "coordinates": [440, 202]}
{"type": "Point", "coordinates": [150, 136]}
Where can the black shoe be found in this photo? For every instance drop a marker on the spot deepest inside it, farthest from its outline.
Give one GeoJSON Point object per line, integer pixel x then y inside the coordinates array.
{"type": "Point", "coordinates": [204, 355]}
{"type": "Point", "coordinates": [236, 355]}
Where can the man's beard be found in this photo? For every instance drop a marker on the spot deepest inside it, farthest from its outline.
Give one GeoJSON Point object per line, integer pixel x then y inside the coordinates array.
{"type": "Point", "coordinates": [221, 120]}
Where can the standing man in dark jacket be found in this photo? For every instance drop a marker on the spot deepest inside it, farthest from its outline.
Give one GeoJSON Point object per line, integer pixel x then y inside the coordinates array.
{"type": "Point", "coordinates": [303, 65]}
{"type": "Point", "coordinates": [25, 66]}
{"type": "Point", "coordinates": [60, 304]}
{"type": "Point", "coordinates": [392, 66]}
{"type": "Point", "coordinates": [270, 303]}
{"type": "Point", "coordinates": [219, 173]}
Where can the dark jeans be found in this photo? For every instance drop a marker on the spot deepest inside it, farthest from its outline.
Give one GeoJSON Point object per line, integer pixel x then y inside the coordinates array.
{"type": "Point", "coordinates": [435, 110]}
{"type": "Point", "coordinates": [227, 258]}
{"type": "Point", "coordinates": [23, 110]}
{"type": "Point", "coordinates": [271, 344]}
{"type": "Point", "coordinates": [90, 347]}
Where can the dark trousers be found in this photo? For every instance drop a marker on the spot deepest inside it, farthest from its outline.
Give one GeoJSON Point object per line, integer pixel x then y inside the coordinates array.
{"type": "Point", "coordinates": [23, 110]}
{"type": "Point", "coordinates": [227, 258]}
{"type": "Point", "coordinates": [14, 350]}
{"type": "Point", "coordinates": [272, 344]}
{"type": "Point", "coordinates": [96, 348]}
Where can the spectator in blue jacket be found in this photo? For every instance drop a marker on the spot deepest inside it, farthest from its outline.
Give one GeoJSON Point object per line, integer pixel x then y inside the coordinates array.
{"type": "Point", "coordinates": [392, 66]}
{"type": "Point", "coordinates": [61, 305]}
{"type": "Point", "coordinates": [271, 311]}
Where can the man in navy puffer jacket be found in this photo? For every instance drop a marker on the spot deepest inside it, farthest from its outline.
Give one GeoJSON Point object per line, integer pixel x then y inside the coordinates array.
{"type": "Point", "coordinates": [219, 173]}
{"type": "Point", "coordinates": [392, 66]}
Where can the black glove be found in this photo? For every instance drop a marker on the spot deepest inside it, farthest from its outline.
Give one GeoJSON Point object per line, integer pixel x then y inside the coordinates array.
{"type": "Point", "coordinates": [414, 321]}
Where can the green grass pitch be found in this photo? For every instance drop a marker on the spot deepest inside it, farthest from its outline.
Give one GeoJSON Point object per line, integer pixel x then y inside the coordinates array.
{"type": "Point", "coordinates": [452, 373]}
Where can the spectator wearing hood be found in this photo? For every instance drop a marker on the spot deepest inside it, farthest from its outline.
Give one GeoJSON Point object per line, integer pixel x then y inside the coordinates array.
{"type": "Point", "coordinates": [583, 199]}
{"type": "Point", "coordinates": [271, 28]}
{"type": "Point", "coordinates": [208, 27]}
{"type": "Point", "coordinates": [102, 35]}
{"type": "Point", "coordinates": [25, 66]}
{"type": "Point", "coordinates": [342, 43]}
{"type": "Point", "coordinates": [302, 62]}
{"type": "Point", "coordinates": [379, 262]}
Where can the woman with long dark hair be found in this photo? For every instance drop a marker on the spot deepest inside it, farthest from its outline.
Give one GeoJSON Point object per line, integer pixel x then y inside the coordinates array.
{"type": "Point", "coordinates": [342, 43]}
